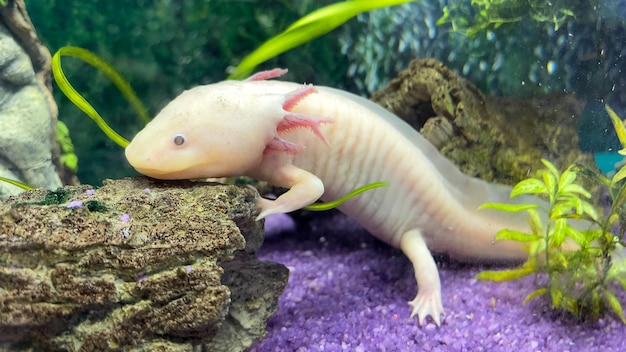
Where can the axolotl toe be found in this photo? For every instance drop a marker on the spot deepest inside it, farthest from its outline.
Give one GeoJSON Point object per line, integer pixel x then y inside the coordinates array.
{"type": "Point", "coordinates": [321, 142]}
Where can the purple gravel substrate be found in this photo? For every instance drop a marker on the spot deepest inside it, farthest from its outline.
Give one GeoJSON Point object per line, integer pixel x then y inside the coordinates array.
{"type": "Point", "coordinates": [348, 292]}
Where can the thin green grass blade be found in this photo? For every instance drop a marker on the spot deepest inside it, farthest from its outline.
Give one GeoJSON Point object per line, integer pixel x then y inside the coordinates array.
{"type": "Point", "coordinates": [536, 293]}
{"type": "Point", "coordinates": [505, 275]}
{"type": "Point", "coordinates": [338, 202]}
{"type": "Point", "coordinates": [307, 28]}
{"type": "Point", "coordinates": [16, 183]}
{"type": "Point", "coordinates": [80, 102]}
{"type": "Point", "coordinates": [513, 235]}
{"type": "Point", "coordinates": [511, 208]}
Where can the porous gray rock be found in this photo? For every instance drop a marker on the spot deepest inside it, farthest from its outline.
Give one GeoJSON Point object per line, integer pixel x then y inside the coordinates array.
{"type": "Point", "coordinates": [137, 265]}
{"type": "Point", "coordinates": [25, 121]}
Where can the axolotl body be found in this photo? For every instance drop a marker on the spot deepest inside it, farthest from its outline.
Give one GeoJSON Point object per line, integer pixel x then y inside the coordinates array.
{"type": "Point", "coordinates": [321, 142]}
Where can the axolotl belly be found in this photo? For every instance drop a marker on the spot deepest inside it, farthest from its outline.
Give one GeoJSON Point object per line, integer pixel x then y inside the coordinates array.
{"type": "Point", "coordinates": [322, 142]}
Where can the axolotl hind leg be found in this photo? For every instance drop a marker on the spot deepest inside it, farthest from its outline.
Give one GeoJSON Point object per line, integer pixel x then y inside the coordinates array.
{"type": "Point", "coordinates": [428, 299]}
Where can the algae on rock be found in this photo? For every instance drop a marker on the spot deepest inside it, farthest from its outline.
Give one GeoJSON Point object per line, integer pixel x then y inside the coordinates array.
{"type": "Point", "coordinates": [156, 265]}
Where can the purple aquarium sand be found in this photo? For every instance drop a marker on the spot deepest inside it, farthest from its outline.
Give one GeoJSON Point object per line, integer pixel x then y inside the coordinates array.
{"type": "Point", "coordinates": [348, 292]}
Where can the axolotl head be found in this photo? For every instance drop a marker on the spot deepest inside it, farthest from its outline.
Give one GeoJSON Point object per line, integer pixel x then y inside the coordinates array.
{"type": "Point", "coordinates": [217, 130]}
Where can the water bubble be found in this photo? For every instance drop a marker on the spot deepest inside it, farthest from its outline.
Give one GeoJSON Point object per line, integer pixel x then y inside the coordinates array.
{"type": "Point", "coordinates": [497, 62]}
{"type": "Point", "coordinates": [466, 69]}
{"type": "Point", "coordinates": [552, 66]}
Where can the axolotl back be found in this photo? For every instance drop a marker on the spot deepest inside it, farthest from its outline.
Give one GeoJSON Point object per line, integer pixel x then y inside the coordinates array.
{"type": "Point", "coordinates": [321, 142]}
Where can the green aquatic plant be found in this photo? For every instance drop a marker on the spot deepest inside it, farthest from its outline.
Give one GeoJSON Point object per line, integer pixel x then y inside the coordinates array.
{"type": "Point", "coordinates": [68, 157]}
{"type": "Point", "coordinates": [80, 102]}
{"type": "Point", "coordinates": [575, 253]}
{"type": "Point", "coordinates": [481, 15]}
{"type": "Point", "coordinates": [307, 28]}
{"type": "Point", "coordinates": [16, 183]}
{"type": "Point", "coordinates": [337, 202]}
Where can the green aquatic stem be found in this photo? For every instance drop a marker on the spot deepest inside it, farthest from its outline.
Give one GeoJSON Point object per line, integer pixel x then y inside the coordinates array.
{"type": "Point", "coordinates": [307, 28]}
{"type": "Point", "coordinates": [335, 203]}
{"type": "Point", "coordinates": [16, 183]}
{"type": "Point", "coordinates": [80, 102]}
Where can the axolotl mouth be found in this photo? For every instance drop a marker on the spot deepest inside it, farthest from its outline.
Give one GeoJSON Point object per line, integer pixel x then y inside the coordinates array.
{"type": "Point", "coordinates": [191, 171]}
{"type": "Point", "coordinates": [177, 167]}
{"type": "Point", "coordinates": [146, 165]}
{"type": "Point", "coordinates": [156, 173]}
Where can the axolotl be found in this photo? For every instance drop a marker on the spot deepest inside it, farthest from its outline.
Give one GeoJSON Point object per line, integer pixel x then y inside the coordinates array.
{"type": "Point", "coordinates": [321, 143]}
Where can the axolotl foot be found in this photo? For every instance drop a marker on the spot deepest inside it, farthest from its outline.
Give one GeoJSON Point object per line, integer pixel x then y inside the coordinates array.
{"type": "Point", "coordinates": [427, 304]}
{"type": "Point", "coordinates": [428, 299]}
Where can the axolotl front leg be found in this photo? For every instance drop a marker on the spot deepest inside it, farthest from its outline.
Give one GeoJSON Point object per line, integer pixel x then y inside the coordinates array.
{"type": "Point", "coordinates": [304, 187]}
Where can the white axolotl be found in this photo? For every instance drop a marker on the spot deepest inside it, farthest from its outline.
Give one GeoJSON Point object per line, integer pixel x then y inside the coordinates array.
{"type": "Point", "coordinates": [322, 142]}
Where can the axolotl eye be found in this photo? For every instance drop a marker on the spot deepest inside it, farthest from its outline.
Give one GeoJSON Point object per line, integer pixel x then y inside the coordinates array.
{"type": "Point", "coordinates": [179, 139]}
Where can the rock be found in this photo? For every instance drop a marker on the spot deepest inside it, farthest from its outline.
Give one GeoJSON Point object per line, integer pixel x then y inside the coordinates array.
{"type": "Point", "coordinates": [138, 265]}
{"type": "Point", "coordinates": [26, 121]}
{"type": "Point", "coordinates": [497, 139]}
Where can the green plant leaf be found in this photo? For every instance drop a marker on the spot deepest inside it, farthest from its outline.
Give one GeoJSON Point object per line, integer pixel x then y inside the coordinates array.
{"type": "Point", "coordinates": [307, 28]}
{"type": "Point", "coordinates": [557, 296]}
{"type": "Point", "coordinates": [535, 294]}
{"type": "Point", "coordinates": [511, 208]}
{"type": "Point", "coordinates": [68, 157]}
{"type": "Point", "coordinates": [529, 186]}
{"type": "Point", "coordinates": [620, 199]}
{"type": "Point", "coordinates": [551, 168]}
{"type": "Point", "coordinates": [615, 305]}
{"type": "Point", "coordinates": [505, 275]}
{"type": "Point", "coordinates": [562, 209]}
{"type": "Point", "coordinates": [619, 175]}
{"type": "Point", "coordinates": [618, 124]}
{"type": "Point", "coordinates": [550, 182]}
{"type": "Point", "coordinates": [613, 219]}
{"type": "Point", "coordinates": [516, 236]}
{"type": "Point", "coordinates": [590, 210]}
{"type": "Point", "coordinates": [567, 177]}
{"type": "Point", "coordinates": [536, 248]}
{"type": "Point", "coordinates": [558, 233]}
{"type": "Point", "coordinates": [574, 188]}
{"type": "Point", "coordinates": [581, 238]}
{"type": "Point", "coordinates": [617, 271]}
{"type": "Point", "coordinates": [571, 206]}
{"type": "Point", "coordinates": [534, 221]}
